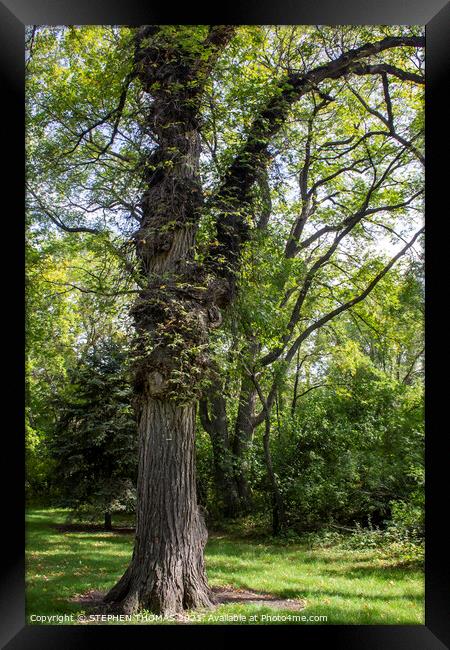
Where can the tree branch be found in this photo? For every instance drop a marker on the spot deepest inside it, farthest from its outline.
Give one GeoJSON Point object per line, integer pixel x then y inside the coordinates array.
{"type": "Point", "coordinates": [258, 419]}
{"type": "Point", "coordinates": [57, 221]}
{"type": "Point", "coordinates": [350, 303]}
{"type": "Point", "coordinates": [117, 112]}
{"type": "Point", "coordinates": [385, 68]}
{"type": "Point", "coordinates": [233, 193]}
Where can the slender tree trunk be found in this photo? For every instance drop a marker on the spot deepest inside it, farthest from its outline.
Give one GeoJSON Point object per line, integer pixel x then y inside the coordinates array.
{"type": "Point", "coordinates": [278, 509]}
{"type": "Point", "coordinates": [296, 382]}
{"type": "Point", "coordinates": [229, 456]}
{"type": "Point", "coordinates": [216, 425]}
{"type": "Point", "coordinates": [243, 433]}
{"type": "Point", "coordinates": [108, 521]}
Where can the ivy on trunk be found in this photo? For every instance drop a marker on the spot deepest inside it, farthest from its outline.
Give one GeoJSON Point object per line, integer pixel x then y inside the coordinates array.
{"type": "Point", "coordinates": [172, 316]}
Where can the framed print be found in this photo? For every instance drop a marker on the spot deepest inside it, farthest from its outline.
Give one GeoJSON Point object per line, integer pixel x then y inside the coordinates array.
{"type": "Point", "coordinates": [229, 424]}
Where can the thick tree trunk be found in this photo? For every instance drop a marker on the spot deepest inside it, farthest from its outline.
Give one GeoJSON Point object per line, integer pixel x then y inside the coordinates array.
{"type": "Point", "coordinates": [166, 573]}
{"type": "Point", "coordinates": [172, 317]}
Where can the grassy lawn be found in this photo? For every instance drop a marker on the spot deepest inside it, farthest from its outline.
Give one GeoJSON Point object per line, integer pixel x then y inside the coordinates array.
{"type": "Point", "coordinates": [348, 587]}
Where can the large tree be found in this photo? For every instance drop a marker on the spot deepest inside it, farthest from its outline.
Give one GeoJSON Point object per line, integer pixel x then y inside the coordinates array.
{"type": "Point", "coordinates": [117, 130]}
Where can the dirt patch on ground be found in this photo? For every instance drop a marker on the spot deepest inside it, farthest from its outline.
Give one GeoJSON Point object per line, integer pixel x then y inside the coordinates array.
{"type": "Point", "coordinates": [93, 600]}
{"type": "Point", "coordinates": [224, 595]}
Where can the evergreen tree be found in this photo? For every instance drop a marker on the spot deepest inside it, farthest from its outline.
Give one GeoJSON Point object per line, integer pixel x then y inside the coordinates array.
{"type": "Point", "coordinates": [94, 442]}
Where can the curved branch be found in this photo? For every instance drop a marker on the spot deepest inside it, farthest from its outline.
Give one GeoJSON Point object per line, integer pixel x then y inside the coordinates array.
{"type": "Point", "coordinates": [385, 68]}
{"type": "Point", "coordinates": [350, 303]}
{"type": "Point", "coordinates": [258, 419]}
{"type": "Point", "coordinates": [233, 194]}
{"type": "Point", "coordinates": [57, 221]}
{"type": "Point", "coordinates": [117, 112]}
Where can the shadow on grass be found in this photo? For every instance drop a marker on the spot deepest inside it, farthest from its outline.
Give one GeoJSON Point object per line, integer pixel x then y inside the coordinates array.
{"type": "Point", "coordinates": [69, 562]}
{"type": "Point", "coordinates": [88, 528]}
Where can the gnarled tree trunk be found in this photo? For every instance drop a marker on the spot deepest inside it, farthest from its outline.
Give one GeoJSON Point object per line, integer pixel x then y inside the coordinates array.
{"type": "Point", "coordinates": [172, 316]}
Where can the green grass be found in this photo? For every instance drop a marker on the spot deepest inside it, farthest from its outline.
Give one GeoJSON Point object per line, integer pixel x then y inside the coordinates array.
{"type": "Point", "coordinates": [348, 587]}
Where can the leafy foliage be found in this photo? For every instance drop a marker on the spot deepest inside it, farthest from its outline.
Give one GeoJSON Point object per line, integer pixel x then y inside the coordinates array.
{"type": "Point", "coordinates": [340, 193]}
{"type": "Point", "coordinates": [94, 442]}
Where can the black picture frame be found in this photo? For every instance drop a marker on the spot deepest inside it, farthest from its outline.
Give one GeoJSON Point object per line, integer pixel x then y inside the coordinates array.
{"type": "Point", "coordinates": [14, 15]}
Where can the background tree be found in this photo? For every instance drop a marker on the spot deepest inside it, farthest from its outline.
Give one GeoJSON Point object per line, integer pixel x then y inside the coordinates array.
{"type": "Point", "coordinates": [94, 442]}
{"type": "Point", "coordinates": [347, 421]}
{"type": "Point", "coordinates": [305, 256]}
{"type": "Point", "coordinates": [357, 439]}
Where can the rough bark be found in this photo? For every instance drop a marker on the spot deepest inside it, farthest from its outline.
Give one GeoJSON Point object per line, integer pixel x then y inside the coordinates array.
{"type": "Point", "coordinates": [172, 316]}
{"type": "Point", "coordinates": [166, 573]}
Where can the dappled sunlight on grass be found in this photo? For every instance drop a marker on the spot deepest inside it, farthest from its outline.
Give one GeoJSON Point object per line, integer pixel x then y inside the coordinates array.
{"type": "Point", "coordinates": [349, 587]}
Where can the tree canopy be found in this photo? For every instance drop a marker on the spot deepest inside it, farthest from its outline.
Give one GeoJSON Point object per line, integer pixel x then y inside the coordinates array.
{"type": "Point", "coordinates": [250, 200]}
